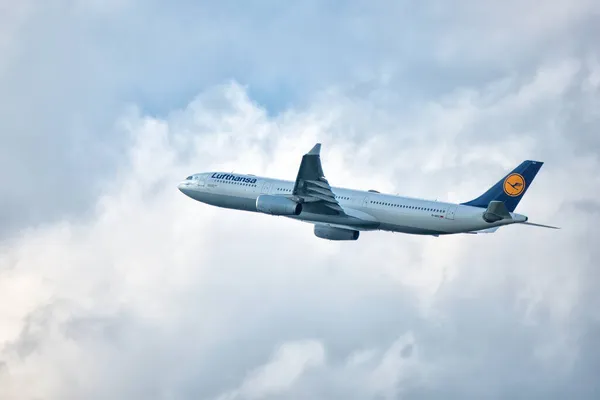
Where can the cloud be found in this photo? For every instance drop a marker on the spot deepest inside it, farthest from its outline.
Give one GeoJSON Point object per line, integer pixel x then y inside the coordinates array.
{"type": "Point", "coordinates": [287, 365]}
{"type": "Point", "coordinates": [155, 295]}
{"type": "Point", "coordinates": [67, 70]}
{"type": "Point", "coordinates": [297, 368]}
{"type": "Point", "coordinates": [115, 285]}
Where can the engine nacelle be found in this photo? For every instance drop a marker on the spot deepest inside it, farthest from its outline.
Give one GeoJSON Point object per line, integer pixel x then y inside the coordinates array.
{"type": "Point", "coordinates": [277, 205]}
{"type": "Point", "coordinates": [330, 233]}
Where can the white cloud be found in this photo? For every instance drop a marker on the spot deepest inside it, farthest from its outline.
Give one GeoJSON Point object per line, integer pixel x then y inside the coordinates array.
{"type": "Point", "coordinates": [395, 370]}
{"type": "Point", "coordinates": [286, 366]}
{"type": "Point", "coordinates": [155, 295]}
{"type": "Point", "coordinates": [151, 295]}
{"type": "Point", "coordinates": [68, 67]}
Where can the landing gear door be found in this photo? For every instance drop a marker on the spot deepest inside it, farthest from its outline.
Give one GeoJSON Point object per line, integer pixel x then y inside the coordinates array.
{"type": "Point", "coordinates": [451, 212]}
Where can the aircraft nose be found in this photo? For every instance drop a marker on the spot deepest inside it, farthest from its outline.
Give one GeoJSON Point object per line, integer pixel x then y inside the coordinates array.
{"type": "Point", "coordinates": [184, 187]}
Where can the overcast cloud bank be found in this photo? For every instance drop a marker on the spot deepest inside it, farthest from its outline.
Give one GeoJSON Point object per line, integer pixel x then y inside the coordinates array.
{"type": "Point", "coordinates": [115, 285]}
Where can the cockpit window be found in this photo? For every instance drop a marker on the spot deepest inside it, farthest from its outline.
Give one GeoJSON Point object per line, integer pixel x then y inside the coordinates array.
{"type": "Point", "coordinates": [189, 178]}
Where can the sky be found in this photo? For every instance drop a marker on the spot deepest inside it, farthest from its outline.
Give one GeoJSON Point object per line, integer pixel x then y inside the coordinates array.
{"type": "Point", "coordinates": [114, 285]}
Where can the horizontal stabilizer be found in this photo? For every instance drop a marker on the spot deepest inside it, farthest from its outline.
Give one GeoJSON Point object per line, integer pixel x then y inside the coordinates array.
{"type": "Point", "coordinates": [488, 230]}
{"type": "Point", "coordinates": [541, 225]}
{"type": "Point", "coordinates": [496, 211]}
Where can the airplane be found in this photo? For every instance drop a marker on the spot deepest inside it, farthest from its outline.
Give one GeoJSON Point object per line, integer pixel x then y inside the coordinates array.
{"type": "Point", "coordinates": [341, 213]}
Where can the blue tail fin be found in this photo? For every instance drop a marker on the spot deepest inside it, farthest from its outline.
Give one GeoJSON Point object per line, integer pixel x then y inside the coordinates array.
{"type": "Point", "coordinates": [511, 188]}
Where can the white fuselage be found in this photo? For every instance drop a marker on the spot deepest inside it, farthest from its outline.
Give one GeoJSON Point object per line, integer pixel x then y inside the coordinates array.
{"type": "Point", "coordinates": [368, 210]}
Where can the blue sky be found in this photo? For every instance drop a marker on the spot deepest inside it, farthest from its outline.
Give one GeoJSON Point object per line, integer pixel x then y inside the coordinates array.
{"type": "Point", "coordinates": [114, 285]}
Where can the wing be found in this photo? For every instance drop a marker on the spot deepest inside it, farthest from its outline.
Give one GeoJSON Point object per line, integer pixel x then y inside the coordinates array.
{"type": "Point", "coordinates": [488, 230]}
{"type": "Point", "coordinates": [311, 187]}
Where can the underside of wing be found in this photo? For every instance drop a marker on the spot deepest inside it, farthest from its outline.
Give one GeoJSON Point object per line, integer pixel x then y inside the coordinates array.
{"type": "Point", "coordinates": [312, 188]}
{"type": "Point", "coordinates": [488, 230]}
{"type": "Point", "coordinates": [343, 226]}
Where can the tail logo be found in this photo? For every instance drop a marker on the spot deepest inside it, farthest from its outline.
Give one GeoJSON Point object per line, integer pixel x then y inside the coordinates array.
{"type": "Point", "coordinates": [514, 185]}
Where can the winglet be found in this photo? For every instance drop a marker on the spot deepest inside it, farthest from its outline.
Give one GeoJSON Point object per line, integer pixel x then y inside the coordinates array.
{"type": "Point", "coordinates": [315, 150]}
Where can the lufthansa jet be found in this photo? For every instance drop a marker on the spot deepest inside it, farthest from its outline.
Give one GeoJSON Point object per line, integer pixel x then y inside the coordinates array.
{"type": "Point", "coordinates": [341, 214]}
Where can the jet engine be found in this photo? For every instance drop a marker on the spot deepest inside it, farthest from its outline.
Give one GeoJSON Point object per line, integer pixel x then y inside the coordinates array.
{"type": "Point", "coordinates": [330, 233]}
{"type": "Point", "coordinates": [277, 205]}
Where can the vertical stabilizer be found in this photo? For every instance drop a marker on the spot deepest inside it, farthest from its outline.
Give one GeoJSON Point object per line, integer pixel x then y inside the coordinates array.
{"type": "Point", "coordinates": [510, 189]}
